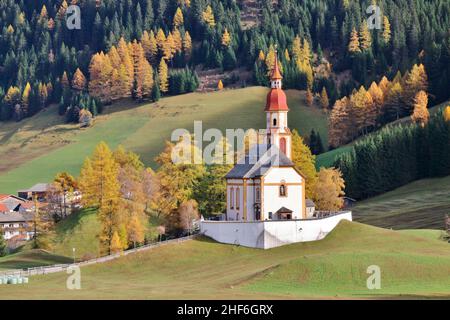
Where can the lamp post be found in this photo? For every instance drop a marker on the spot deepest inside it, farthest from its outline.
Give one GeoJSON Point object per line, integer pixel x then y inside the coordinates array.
{"type": "Point", "coordinates": [73, 251]}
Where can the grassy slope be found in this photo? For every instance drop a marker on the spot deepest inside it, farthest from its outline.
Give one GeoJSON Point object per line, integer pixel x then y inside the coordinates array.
{"type": "Point", "coordinates": [42, 146]}
{"type": "Point", "coordinates": [327, 159]}
{"type": "Point", "coordinates": [420, 204]}
{"type": "Point", "coordinates": [31, 258]}
{"type": "Point", "coordinates": [334, 267]}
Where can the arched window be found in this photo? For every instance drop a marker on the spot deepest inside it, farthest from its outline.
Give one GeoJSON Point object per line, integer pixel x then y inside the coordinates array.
{"type": "Point", "coordinates": [258, 195]}
{"type": "Point", "coordinates": [237, 198]}
{"type": "Point", "coordinates": [283, 145]}
{"type": "Point", "coordinates": [283, 189]}
{"type": "Point", "coordinates": [232, 198]}
{"type": "Point", "coordinates": [274, 122]}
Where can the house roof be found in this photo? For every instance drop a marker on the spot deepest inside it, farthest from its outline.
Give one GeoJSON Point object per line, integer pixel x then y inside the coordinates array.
{"type": "Point", "coordinates": [258, 161]}
{"type": "Point", "coordinates": [14, 217]}
{"type": "Point", "coordinates": [284, 210]}
{"type": "Point", "coordinates": [3, 208]}
{"type": "Point", "coordinates": [38, 187]}
{"type": "Point", "coordinates": [310, 203]}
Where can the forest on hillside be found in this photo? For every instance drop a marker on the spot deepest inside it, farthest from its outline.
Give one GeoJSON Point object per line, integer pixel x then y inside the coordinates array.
{"type": "Point", "coordinates": [147, 48]}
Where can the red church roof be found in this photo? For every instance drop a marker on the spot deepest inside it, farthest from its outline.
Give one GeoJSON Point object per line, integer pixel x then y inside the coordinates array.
{"type": "Point", "coordinates": [276, 100]}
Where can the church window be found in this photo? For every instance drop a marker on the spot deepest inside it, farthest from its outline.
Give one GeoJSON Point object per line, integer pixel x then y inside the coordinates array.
{"type": "Point", "coordinates": [232, 198]}
{"type": "Point", "coordinates": [274, 122]}
{"type": "Point", "coordinates": [258, 195]}
{"type": "Point", "coordinates": [283, 145]}
{"type": "Point", "coordinates": [237, 199]}
{"type": "Point", "coordinates": [283, 189]}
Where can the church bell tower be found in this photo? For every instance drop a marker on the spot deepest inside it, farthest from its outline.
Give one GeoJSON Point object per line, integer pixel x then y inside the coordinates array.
{"type": "Point", "coordinates": [277, 132]}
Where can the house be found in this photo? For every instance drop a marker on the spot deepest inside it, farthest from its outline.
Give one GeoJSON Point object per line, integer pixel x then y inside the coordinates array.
{"type": "Point", "coordinates": [15, 225]}
{"type": "Point", "coordinates": [10, 202]}
{"type": "Point", "coordinates": [310, 208]}
{"type": "Point", "coordinates": [266, 201]}
{"type": "Point", "coordinates": [40, 190]}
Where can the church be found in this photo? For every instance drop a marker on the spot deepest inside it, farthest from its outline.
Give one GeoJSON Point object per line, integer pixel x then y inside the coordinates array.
{"type": "Point", "coordinates": [266, 185]}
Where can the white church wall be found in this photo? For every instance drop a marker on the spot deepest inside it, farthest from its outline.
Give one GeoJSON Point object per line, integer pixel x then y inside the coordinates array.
{"type": "Point", "coordinates": [270, 234]}
{"type": "Point", "coordinates": [294, 198]}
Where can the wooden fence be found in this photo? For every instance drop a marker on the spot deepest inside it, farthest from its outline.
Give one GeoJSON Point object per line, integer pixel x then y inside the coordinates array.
{"type": "Point", "coordinates": [63, 267]}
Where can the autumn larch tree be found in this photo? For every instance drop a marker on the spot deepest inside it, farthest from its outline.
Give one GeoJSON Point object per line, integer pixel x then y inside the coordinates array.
{"type": "Point", "coordinates": [421, 114]}
{"type": "Point", "coordinates": [79, 80]}
{"type": "Point", "coordinates": [163, 76]}
{"type": "Point", "coordinates": [324, 102]}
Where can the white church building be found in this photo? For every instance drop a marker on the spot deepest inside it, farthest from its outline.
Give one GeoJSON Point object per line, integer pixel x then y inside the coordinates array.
{"type": "Point", "coordinates": [266, 202]}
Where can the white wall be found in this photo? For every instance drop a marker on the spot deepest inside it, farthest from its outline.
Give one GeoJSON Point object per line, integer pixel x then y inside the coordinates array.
{"type": "Point", "coordinates": [270, 234]}
{"type": "Point", "coordinates": [295, 197]}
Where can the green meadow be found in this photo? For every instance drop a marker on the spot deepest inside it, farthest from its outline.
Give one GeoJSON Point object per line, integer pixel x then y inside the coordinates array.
{"type": "Point", "coordinates": [412, 265]}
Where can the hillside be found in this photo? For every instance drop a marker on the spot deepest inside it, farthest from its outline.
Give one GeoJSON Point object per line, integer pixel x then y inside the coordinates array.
{"type": "Point", "coordinates": [43, 145]}
{"type": "Point", "coordinates": [420, 204]}
{"type": "Point", "coordinates": [31, 258]}
{"type": "Point", "coordinates": [328, 158]}
{"type": "Point", "coordinates": [333, 267]}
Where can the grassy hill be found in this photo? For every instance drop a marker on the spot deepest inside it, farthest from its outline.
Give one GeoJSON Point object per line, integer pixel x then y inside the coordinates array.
{"type": "Point", "coordinates": [420, 204]}
{"type": "Point", "coordinates": [31, 258]}
{"type": "Point", "coordinates": [411, 265]}
{"type": "Point", "coordinates": [43, 145]}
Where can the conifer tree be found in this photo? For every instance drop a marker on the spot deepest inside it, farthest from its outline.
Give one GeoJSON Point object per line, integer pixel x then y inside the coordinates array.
{"type": "Point", "coordinates": [220, 85]}
{"type": "Point", "coordinates": [365, 37]}
{"type": "Point", "coordinates": [353, 45]}
{"type": "Point", "coordinates": [386, 31]}
{"type": "Point", "coordinates": [324, 102]}
{"type": "Point", "coordinates": [26, 99]}
{"type": "Point", "coordinates": [226, 38]}
{"type": "Point", "coordinates": [79, 80]}
{"type": "Point", "coordinates": [163, 76]}
{"type": "Point", "coordinates": [421, 114]}
{"type": "Point", "coordinates": [178, 19]}
{"type": "Point", "coordinates": [208, 17]}
{"type": "Point", "coordinates": [309, 97]}
{"type": "Point", "coordinates": [187, 44]}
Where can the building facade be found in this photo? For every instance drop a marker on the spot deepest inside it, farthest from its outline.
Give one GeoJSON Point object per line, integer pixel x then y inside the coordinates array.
{"type": "Point", "coordinates": [265, 184]}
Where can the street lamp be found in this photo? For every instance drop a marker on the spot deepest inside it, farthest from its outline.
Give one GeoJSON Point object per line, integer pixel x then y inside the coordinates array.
{"type": "Point", "coordinates": [73, 251]}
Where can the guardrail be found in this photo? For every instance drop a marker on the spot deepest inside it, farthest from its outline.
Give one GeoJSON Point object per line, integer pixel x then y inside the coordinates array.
{"type": "Point", "coordinates": [63, 267]}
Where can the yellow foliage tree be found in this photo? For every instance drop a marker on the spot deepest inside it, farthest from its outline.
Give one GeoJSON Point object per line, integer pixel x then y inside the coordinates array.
{"type": "Point", "coordinates": [329, 190]}
{"type": "Point", "coordinates": [324, 101]}
{"type": "Point", "coordinates": [178, 19]}
{"type": "Point", "coordinates": [365, 37]}
{"type": "Point", "coordinates": [116, 243]}
{"type": "Point", "coordinates": [78, 80]}
{"type": "Point", "coordinates": [163, 74]}
{"type": "Point", "coordinates": [187, 44]}
{"type": "Point", "coordinates": [386, 30]}
{"type": "Point", "coordinates": [226, 38]}
{"type": "Point", "coordinates": [353, 45]}
{"type": "Point", "coordinates": [421, 114]}
{"type": "Point", "coordinates": [304, 161]}
{"type": "Point", "coordinates": [220, 85]}
{"type": "Point", "coordinates": [208, 17]}
{"type": "Point", "coordinates": [447, 114]}
{"type": "Point", "coordinates": [261, 56]}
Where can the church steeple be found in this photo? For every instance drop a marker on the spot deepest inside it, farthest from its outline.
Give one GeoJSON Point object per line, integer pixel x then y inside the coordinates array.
{"type": "Point", "coordinates": [276, 75]}
{"type": "Point", "coordinates": [276, 109]}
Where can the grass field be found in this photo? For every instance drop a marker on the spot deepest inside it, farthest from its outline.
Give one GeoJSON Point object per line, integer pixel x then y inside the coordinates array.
{"type": "Point", "coordinates": [411, 266]}
{"type": "Point", "coordinates": [41, 146]}
{"type": "Point", "coordinates": [420, 204]}
{"type": "Point", "coordinates": [31, 258]}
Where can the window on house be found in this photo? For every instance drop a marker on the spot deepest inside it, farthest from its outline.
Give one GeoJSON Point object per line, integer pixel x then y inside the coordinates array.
{"type": "Point", "coordinates": [237, 198]}
{"type": "Point", "coordinates": [232, 198]}
{"type": "Point", "coordinates": [283, 190]}
{"type": "Point", "coordinates": [258, 195]}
